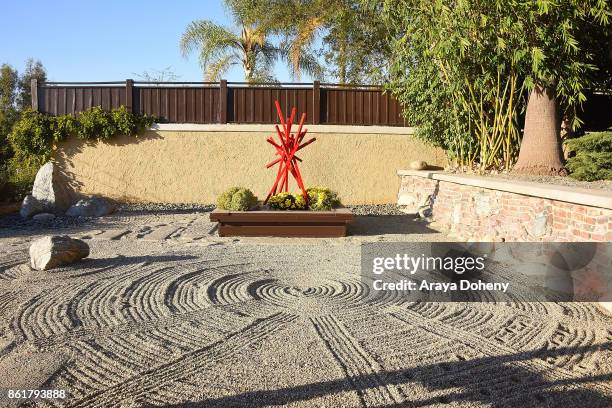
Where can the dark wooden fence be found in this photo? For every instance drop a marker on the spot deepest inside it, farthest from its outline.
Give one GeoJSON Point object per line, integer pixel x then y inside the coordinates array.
{"type": "Point", "coordinates": [223, 102]}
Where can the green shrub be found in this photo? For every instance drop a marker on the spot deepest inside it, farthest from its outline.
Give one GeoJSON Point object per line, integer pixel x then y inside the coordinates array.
{"type": "Point", "coordinates": [3, 181]}
{"type": "Point", "coordinates": [287, 201]}
{"type": "Point", "coordinates": [322, 199]}
{"type": "Point", "coordinates": [96, 123]}
{"type": "Point", "coordinates": [128, 123]}
{"type": "Point", "coordinates": [18, 176]}
{"type": "Point", "coordinates": [237, 199]}
{"type": "Point", "coordinates": [62, 126]}
{"type": "Point", "coordinates": [319, 199]}
{"type": "Point", "coordinates": [593, 157]}
{"type": "Point", "coordinates": [32, 134]}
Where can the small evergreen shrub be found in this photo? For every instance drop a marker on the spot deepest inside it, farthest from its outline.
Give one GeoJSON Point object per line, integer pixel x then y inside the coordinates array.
{"type": "Point", "coordinates": [593, 157]}
{"type": "Point", "coordinates": [319, 199]}
{"type": "Point", "coordinates": [237, 199]}
{"type": "Point", "coordinates": [287, 201]}
{"type": "Point", "coordinates": [322, 199]}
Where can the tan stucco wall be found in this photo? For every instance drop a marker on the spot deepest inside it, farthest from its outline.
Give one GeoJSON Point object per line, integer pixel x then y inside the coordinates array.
{"type": "Point", "coordinates": [195, 166]}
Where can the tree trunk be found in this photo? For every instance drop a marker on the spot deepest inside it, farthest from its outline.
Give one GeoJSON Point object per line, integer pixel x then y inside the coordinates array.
{"type": "Point", "coordinates": [541, 152]}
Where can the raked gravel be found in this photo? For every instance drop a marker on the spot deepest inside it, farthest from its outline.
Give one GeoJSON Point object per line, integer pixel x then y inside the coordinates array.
{"type": "Point", "coordinates": [166, 313]}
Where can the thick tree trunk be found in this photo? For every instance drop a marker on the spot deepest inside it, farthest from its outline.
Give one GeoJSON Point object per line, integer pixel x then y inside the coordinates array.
{"type": "Point", "coordinates": [541, 152]}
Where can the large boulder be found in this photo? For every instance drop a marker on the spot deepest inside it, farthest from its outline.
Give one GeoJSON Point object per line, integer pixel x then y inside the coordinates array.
{"type": "Point", "coordinates": [49, 194]}
{"type": "Point", "coordinates": [31, 206]}
{"type": "Point", "coordinates": [91, 207]}
{"type": "Point", "coordinates": [57, 250]}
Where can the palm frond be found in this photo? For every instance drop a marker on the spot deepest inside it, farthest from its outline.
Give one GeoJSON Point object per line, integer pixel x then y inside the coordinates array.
{"type": "Point", "coordinates": [209, 37]}
{"type": "Point", "coordinates": [269, 53]}
{"type": "Point", "coordinates": [215, 69]}
{"type": "Point", "coordinates": [304, 37]}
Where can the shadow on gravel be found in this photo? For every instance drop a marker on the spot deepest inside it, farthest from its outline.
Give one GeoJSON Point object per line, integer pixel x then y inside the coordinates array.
{"type": "Point", "coordinates": [388, 225]}
{"type": "Point", "coordinates": [500, 381]}
{"type": "Point", "coordinates": [103, 263]}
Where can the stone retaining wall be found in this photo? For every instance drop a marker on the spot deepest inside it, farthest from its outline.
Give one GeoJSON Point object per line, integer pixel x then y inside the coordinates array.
{"type": "Point", "coordinates": [488, 209]}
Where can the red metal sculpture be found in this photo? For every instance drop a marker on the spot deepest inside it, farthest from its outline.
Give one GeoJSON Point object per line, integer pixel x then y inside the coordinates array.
{"type": "Point", "coordinates": [288, 161]}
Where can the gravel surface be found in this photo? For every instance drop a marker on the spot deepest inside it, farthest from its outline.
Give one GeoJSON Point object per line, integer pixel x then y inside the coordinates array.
{"type": "Point", "coordinates": [165, 207]}
{"type": "Point", "coordinates": [375, 209]}
{"type": "Point", "coordinates": [366, 209]}
{"type": "Point", "coordinates": [166, 313]}
{"type": "Point", "coordinates": [63, 224]}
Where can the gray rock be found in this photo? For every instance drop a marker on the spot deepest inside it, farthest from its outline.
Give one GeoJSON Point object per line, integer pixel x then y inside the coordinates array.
{"type": "Point", "coordinates": [91, 207]}
{"type": "Point", "coordinates": [30, 207]}
{"type": "Point", "coordinates": [49, 193]}
{"type": "Point", "coordinates": [540, 226]}
{"type": "Point", "coordinates": [50, 190]}
{"type": "Point", "coordinates": [418, 165]}
{"type": "Point", "coordinates": [43, 217]}
{"type": "Point", "coordinates": [53, 251]}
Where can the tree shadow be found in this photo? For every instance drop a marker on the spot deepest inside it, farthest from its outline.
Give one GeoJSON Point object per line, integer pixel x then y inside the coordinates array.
{"type": "Point", "coordinates": [70, 148]}
{"type": "Point", "coordinates": [120, 260]}
{"type": "Point", "coordinates": [464, 381]}
{"type": "Point", "coordinates": [388, 225]}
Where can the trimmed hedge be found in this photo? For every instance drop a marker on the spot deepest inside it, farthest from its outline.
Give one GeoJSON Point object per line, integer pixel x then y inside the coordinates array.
{"type": "Point", "coordinates": [237, 199]}
{"type": "Point", "coordinates": [319, 199]}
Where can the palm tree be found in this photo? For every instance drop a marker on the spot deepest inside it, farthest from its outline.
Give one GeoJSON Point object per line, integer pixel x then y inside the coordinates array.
{"type": "Point", "coordinates": [540, 152]}
{"type": "Point", "coordinates": [302, 22]}
{"type": "Point", "coordinates": [220, 47]}
{"type": "Point", "coordinates": [298, 22]}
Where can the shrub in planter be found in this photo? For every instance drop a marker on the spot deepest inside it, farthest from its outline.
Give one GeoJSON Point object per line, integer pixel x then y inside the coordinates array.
{"type": "Point", "coordinates": [319, 199]}
{"type": "Point", "coordinates": [322, 199]}
{"type": "Point", "coordinates": [237, 199]}
{"type": "Point", "coordinates": [287, 201]}
{"type": "Point", "coordinates": [593, 157]}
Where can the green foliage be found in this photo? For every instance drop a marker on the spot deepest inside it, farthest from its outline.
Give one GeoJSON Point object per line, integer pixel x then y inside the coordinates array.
{"type": "Point", "coordinates": [287, 201]}
{"type": "Point", "coordinates": [319, 199]}
{"type": "Point", "coordinates": [33, 70]}
{"type": "Point", "coordinates": [237, 199]}
{"type": "Point", "coordinates": [355, 44]}
{"type": "Point", "coordinates": [17, 169]}
{"type": "Point", "coordinates": [95, 123]}
{"type": "Point", "coordinates": [33, 134]}
{"type": "Point", "coordinates": [460, 70]}
{"type": "Point", "coordinates": [593, 157]}
{"type": "Point", "coordinates": [36, 133]}
{"type": "Point", "coordinates": [322, 199]}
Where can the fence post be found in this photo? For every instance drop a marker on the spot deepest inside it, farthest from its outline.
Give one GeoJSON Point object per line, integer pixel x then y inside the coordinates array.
{"type": "Point", "coordinates": [223, 101]}
{"type": "Point", "coordinates": [129, 95]}
{"type": "Point", "coordinates": [316, 102]}
{"type": "Point", "coordinates": [34, 93]}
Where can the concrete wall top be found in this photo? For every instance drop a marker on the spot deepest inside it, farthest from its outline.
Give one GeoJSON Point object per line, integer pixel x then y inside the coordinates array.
{"type": "Point", "coordinates": [234, 127]}
{"type": "Point", "coordinates": [575, 195]}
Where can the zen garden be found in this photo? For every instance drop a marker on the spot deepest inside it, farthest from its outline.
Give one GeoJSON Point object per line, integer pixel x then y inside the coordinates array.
{"type": "Point", "coordinates": [306, 203]}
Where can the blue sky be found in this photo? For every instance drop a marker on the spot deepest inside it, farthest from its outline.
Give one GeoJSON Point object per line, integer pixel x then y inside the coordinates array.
{"type": "Point", "coordinates": [108, 40]}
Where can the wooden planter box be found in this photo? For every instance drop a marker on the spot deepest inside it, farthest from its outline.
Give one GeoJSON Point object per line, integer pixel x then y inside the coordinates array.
{"type": "Point", "coordinates": [259, 223]}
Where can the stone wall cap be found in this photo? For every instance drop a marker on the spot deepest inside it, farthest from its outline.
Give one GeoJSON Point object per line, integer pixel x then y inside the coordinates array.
{"type": "Point", "coordinates": [574, 195]}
